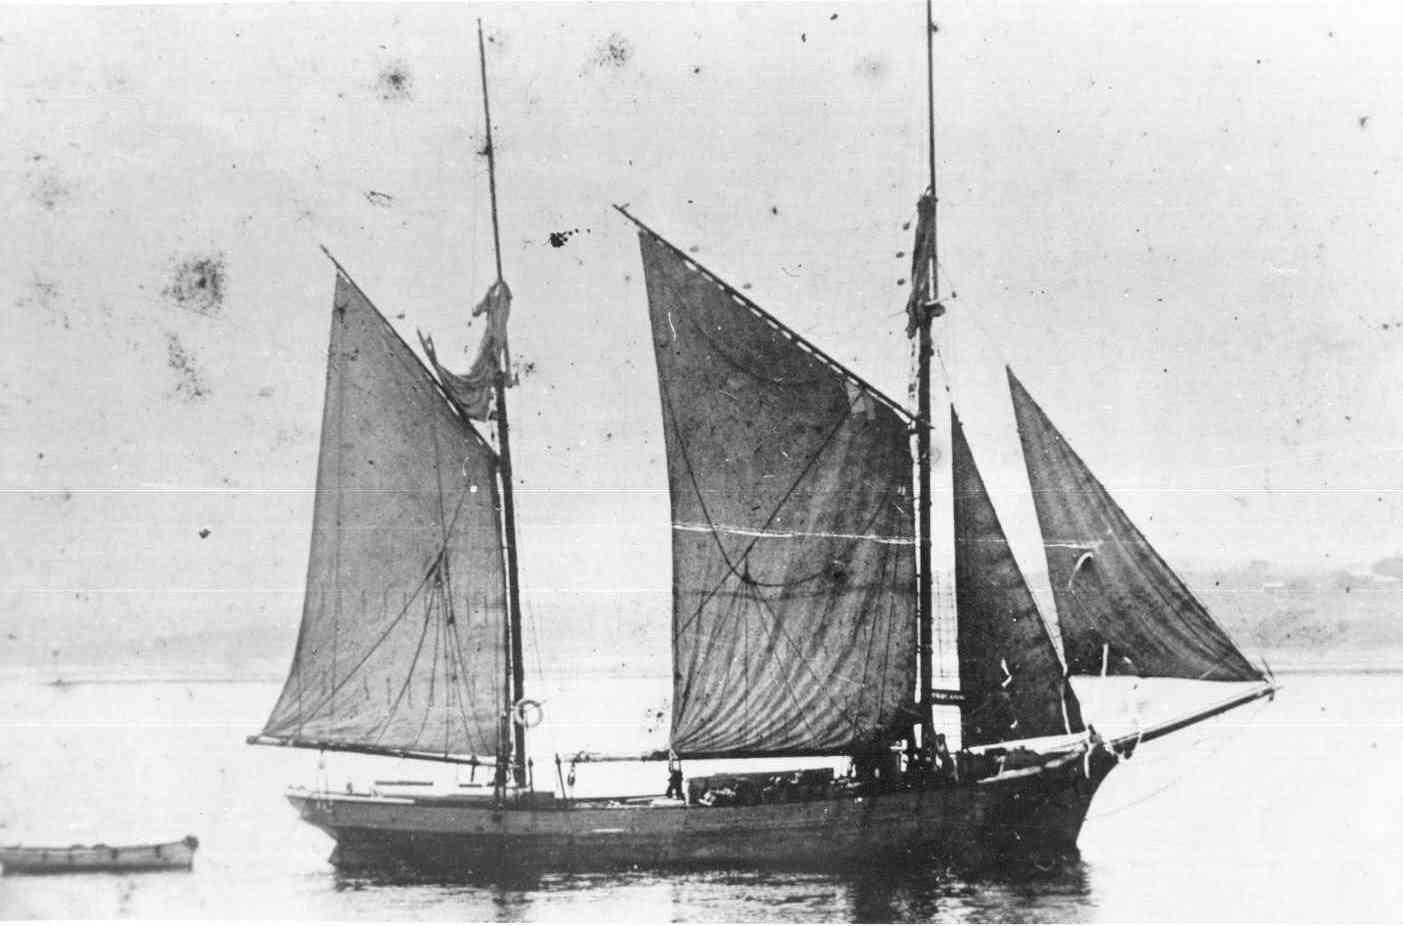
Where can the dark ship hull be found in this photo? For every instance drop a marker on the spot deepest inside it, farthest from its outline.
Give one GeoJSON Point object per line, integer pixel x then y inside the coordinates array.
{"type": "Point", "coordinates": [1035, 813]}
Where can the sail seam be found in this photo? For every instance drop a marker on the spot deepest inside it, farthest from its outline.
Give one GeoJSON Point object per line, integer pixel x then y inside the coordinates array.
{"type": "Point", "coordinates": [824, 570]}
{"type": "Point", "coordinates": [696, 489]}
{"type": "Point", "coordinates": [433, 682]}
{"type": "Point", "coordinates": [762, 608]}
{"type": "Point", "coordinates": [889, 624]}
{"type": "Point", "coordinates": [457, 657]}
{"type": "Point", "coordinates": [730, 565]}
{"type": "Point", "coordinates": [691, 475]}
{"type": "Point", "coordinates": [370, 652]}
{"type": "Point", "coordinates": [409, 673]}
{"type": "Point", "coordinates": [736, 615]}
{"type": "Point", "coordinates": [778, 624]}
{"type": "Point", "coordinates": [456, 654]}
{"type": "Point", "coordinates": [444, 586]}
{"type": "Point", "coordinates": [790, 535]}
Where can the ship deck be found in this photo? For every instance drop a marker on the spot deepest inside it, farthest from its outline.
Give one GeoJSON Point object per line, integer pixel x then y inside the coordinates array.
{"type": "Point", "coordinates": [1036, 808]}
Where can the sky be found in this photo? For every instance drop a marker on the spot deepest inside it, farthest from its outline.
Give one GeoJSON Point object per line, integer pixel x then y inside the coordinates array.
{"type": "Point", "coordinates": [1178, 222]}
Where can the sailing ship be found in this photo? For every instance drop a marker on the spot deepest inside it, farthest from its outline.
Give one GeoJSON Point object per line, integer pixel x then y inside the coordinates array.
{"type": "Point", "coordinates": [802, 619]}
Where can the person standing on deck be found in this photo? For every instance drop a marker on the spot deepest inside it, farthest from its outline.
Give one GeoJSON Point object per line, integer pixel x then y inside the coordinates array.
{"type": "Point", "coordinates": [944, 762]}
{"type": "Point", "coordinates": [674, 779]}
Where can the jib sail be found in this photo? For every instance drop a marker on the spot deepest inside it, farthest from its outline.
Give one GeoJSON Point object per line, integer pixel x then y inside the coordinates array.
{"type": "Point", "coordinates": [1121, 608]}
{"type": "Point", "coordinates": [1012, 679]}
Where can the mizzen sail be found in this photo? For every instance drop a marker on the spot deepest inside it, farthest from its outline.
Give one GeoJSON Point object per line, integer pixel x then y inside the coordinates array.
{"type": "Point", "coordinates": [402, 641]}
{"type": "Point", "coordinates": [1012, 679]}
{"type": "Point", "coordinates": [794, 596]}
{"type": "Point", "coordinates": [1121, 608]}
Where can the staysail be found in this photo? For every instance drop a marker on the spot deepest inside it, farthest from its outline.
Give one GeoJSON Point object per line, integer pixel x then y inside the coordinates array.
{"type": "Point", "coordinates": [1122, 610]}
{"type": "Point", "coordinates": [1011, 677]}
{"type": "Point", "coordinates": [794, 589]}
{"type": "Point", "coordinates": [402, 641]}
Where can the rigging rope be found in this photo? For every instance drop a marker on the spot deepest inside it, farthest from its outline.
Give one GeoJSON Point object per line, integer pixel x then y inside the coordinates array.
{"type": "Point", "coordinates": [429, 613]}
{"type": "Point", "coordinates": [535, 642]}
{"type": "Point", "coordinates": [764, 608]}
{"type": "Point", "coordinates": [706, 513]}
{"type": "Point", "coordinates": [433, 677]}
{"type": "Point", "coordinates": [738, 566]}
{"type": "Point", "coordinates": [376, 645]}
{"type": "Point", "coordinates": [1213, 752]}
{"type": "Point", "coordinates": [461, 676]}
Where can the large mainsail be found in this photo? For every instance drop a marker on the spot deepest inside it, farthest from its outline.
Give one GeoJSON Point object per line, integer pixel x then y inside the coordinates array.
{"type": "Point", "coordinates": [1121, 608]}
{"type": "Point", "coordinates": [402, 640]}
{"type": "Point", "coordinates": [1011, 677]}
{"type": "Point", "coordinates": [794, 627]}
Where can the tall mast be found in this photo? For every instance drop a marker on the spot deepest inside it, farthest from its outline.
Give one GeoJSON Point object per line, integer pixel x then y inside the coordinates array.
{"type": "Point", "coordinates": [923, 461]}
{"type": "Point", "coordinates": [933, 293]}
{"type": "Point", "coordinates": [516, 675]}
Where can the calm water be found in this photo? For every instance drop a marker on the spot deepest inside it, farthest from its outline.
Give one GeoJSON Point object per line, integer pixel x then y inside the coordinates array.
{"type": "Point", "coordinates": [1290, 811]}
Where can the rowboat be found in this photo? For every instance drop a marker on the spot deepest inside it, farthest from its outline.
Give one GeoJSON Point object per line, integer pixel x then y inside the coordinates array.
{"type": "Point", "coordinates": [43, 860]}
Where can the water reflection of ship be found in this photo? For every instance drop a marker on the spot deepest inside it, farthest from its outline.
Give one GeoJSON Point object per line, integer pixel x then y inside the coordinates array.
{"type": "Point", "coordinates": [1026, 891]}
{"type": "Point", "coordinates": [802, 606]}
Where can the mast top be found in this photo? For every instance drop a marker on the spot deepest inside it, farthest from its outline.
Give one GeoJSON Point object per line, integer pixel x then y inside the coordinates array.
{"type": "Point", "coordinates": [491, 154]}
{"type": "Point", "coordinates": [932, 284]}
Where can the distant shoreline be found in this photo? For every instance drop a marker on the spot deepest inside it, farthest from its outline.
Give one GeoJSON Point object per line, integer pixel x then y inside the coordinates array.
{"type": "Point", "coordinates": [1337, 670]}
{"type": "Point", "coordinates": [58, 680]}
